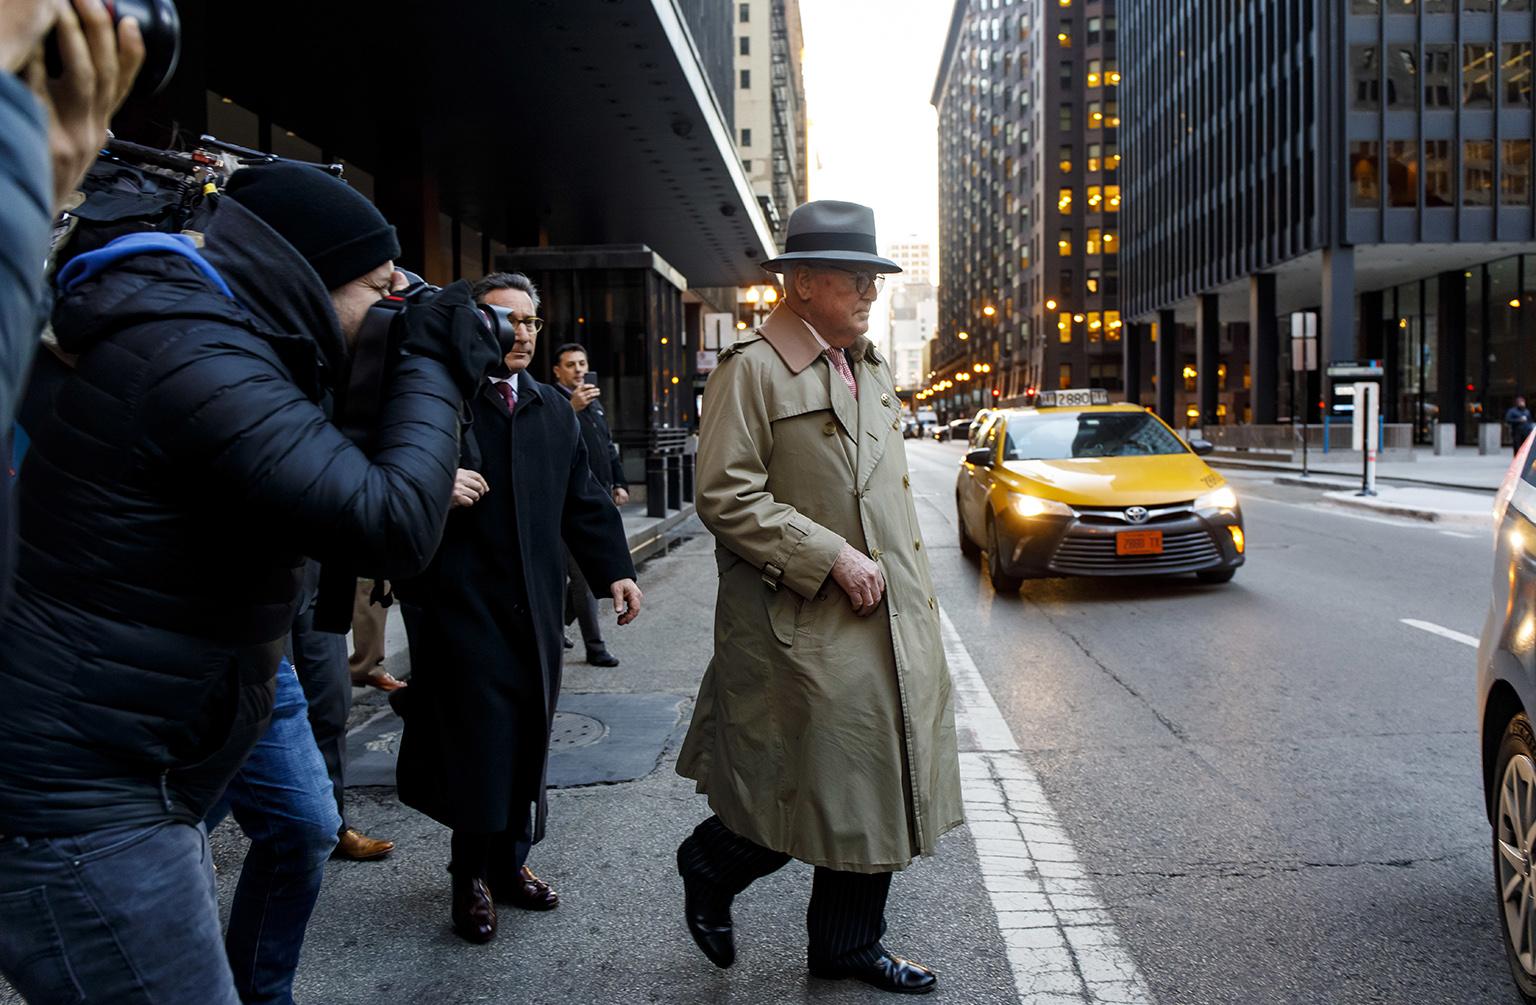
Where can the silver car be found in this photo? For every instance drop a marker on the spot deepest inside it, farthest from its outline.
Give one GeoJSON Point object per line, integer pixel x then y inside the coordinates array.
{"type": "Point", "coordinates": [1506, 681]}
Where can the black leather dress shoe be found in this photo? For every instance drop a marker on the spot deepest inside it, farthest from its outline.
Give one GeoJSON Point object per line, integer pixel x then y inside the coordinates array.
{"type": "Point", "coordinates": [709, 918]}
{"type": "Point", "coordinates": [888, 973]}
{"type": "Point", "coordinates": [525, 890]}
{"type": "Point", "coordinates": [602, 658]}
{"type": "Point", "coordinates": [474, 913]}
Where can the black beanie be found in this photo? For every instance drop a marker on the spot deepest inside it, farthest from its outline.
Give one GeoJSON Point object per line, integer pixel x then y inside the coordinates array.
{"type": "Point", "coordinates": [338, 231]}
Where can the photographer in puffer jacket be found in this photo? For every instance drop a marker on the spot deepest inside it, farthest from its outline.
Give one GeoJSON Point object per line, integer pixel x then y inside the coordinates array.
{"type": "Point", "coordinates": [181, 472]}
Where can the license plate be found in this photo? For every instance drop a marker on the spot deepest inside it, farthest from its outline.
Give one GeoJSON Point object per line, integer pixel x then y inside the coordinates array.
{"type": "Point", "coordinates": [1139, 542]}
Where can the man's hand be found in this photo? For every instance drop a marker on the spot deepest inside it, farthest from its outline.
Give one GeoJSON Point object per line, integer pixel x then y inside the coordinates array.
{"type": "Point", "coordinates": [100, 62]}
{"type": "Point", "coordinates": [860, 578]}
{"type": "Point", "coordinates": [626, 600]}
{"type": "Point", "coordinates": [23, 26]}
{"type": "Point", "coordinates": [468, 487]}
{"type": "Point", "coordinates": [583, 395]}
{"type": "Point", "coordinates": [620, 496]}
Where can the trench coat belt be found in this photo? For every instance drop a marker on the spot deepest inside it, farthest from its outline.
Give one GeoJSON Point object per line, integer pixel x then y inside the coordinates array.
{"type": "Point", "coordinates": [771, 575]}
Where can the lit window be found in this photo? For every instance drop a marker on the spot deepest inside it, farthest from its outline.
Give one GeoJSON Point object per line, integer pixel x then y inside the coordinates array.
{"type": "Point", "coordinates": [1095, 115]}
{"type": "Point", "coordinates": [1064, 242]}
{"type": "Point", "coordinates": [1094, 160]}
{"type": "Point", "coordinates": [1064, 327]}
{"type": "Point", "coordinates": [1095, 196]}
{"type": "Point", "coordinates": [1064, 39]}
{"type": "Point", "coordinates": [1112, 197]}
{"type": "Point", "coordinates": [1066, 159]}
{"type": "Point", "coordinates": [1095, 73]}
{"type": "Point", "coordinates": [1093, 242]}
{"type": "Point", "coordinates": [1111, 242]}
{"type": "Point", "coordinates": [1064, 199]}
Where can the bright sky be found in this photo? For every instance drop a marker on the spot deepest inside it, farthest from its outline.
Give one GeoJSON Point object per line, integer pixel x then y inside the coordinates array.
{"type": "Point", "coordinates": [869, 69]}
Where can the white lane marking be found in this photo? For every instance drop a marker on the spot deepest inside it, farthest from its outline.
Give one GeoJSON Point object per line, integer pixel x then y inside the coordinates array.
{"type": "Point", "coordinates": [1457, 533]}
{"type": "Point", "coordinates": [1341, 511]}
{"type": "Point", "coordinates": [1442, 631]}
{"type": "Point", "coordinates": [375, 717]}
{"type": "Point", "coordinates": [1062, 943]}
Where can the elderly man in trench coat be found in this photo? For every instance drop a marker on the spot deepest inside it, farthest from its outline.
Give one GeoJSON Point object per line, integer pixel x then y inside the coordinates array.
{"type": "Point", "coordinates": [824, 729]}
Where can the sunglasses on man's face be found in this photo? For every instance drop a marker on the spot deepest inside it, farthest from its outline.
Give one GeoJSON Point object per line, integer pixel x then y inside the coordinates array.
{"type": "Point", "coordinates": [862, 281]}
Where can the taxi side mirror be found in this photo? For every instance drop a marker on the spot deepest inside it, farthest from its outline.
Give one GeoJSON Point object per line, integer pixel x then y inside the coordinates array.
{"type": "Point", "coordinates": [1202, 448]}
{"type": "Point", "coordinates": [981, 456]}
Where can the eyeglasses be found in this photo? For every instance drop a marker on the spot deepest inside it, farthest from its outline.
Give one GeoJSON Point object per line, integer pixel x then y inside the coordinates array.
{"type": "Point", "coordinates": [862, 281]}
{"type": "Point", "coordinates": [534, 325]}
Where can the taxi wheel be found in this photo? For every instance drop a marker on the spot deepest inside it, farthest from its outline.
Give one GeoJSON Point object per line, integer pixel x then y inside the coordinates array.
{"type": "Point", "coordinates": [1514, 825]}
{"type": "Point", "coordinates": [968, 548]}
{"type": "Point", "coordinates": [1216, 575]}
{"type": "Point", "coordinates": [1001, 581]}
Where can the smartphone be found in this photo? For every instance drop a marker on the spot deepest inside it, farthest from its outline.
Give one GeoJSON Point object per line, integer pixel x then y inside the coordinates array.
{"type": "Point", "coordinates": [590, 378]}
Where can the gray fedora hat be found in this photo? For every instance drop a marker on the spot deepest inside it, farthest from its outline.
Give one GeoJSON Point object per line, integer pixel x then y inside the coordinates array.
{"type": "Point", "coordinates": [831, 231]}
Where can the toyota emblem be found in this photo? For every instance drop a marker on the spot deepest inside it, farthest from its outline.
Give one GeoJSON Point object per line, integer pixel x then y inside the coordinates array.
{"type": "Point", "coordinates": [1137, 514]}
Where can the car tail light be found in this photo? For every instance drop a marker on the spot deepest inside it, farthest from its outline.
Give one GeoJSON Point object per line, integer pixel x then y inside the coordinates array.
{"type": "Point", "coordinates": [1511, 481]}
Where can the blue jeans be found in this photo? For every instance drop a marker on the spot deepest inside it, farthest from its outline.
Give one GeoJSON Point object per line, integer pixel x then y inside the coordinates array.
{"type": "Point", "coordinates": [125, 915]}
{"type": "Point", "coordinates": [282, 800]}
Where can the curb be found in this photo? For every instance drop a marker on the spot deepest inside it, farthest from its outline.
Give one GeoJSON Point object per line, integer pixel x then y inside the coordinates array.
{"type": "Point", "coordinates": [1460, 518]}
{"type": "Point", "coordinates": [655, 539]}
{"type": "Point", "coordinates": [1295, 472]}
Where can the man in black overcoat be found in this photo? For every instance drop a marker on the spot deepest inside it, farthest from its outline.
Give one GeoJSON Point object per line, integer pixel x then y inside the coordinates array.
{"type": "Point", "coordinates": [484, 626]}
{"type": "Point", "coordinates": [571, 381]}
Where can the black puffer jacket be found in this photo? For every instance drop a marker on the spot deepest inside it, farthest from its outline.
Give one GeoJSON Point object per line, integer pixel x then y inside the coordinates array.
{"type": "Point", "coordinates": [178, 476]}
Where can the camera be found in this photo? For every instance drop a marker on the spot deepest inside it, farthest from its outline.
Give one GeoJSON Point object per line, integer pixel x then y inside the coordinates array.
{"type": "Point", "coordinates": [159, 23]}
{"type": "Point", "coordinates": [379, 339]}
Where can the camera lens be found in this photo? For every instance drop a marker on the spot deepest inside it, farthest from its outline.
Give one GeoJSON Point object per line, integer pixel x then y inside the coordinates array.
{"type": "Point", "coordinates": [159, 23]}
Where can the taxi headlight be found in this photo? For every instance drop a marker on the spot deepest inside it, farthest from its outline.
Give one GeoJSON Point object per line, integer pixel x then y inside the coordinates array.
{"type": "Point", "coordinates": [1028, 506]}
{"type": "Point", "coordinates": [1222, 498]}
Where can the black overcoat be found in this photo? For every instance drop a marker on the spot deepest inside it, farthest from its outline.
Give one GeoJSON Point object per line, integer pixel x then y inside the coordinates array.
{"type": "Point", "coordinates": [484, 620]}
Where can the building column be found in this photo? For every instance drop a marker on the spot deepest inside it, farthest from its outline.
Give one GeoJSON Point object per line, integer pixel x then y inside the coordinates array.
{"type": "Point", "coordinates": [1208, 357]}
{"type": "Point", "coordinates": [1337, 323]}
{"type": "Point", "coordinates": [1130, 367]}
{"type": "Point", "coordinates": [1263, 349]}
{"type": "Point", "coordinates": [1167, 366]}
{"type": "Point", "coordinates": [1451, 350]}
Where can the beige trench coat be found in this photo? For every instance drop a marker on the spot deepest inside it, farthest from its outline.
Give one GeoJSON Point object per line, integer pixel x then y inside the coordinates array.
{"type": "Point", "coordinates": [818, 733]}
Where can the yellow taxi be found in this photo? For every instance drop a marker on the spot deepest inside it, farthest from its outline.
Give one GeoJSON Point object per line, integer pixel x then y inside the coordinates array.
{"type": "Point", "coordinates": [1076, 486]}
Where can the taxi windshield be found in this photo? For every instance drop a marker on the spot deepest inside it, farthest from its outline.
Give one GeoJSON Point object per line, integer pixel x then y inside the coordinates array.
{"type": "Point", "coordinates": [1089, 434]}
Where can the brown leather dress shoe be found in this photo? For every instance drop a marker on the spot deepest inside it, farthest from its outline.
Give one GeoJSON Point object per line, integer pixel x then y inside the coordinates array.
{"type": "Point", "coordinates": [525, 890]}
{"type": "Point", "coordinates": [360, 847]}
{"type": "Point", "coordinates": [474, 914]}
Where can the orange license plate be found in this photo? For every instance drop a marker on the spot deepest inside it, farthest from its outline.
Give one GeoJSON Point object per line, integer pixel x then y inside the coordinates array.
{"type": "Point", "coordinates": [1139, 542]}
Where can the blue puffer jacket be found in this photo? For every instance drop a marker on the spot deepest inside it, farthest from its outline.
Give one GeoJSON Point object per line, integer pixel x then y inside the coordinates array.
{"type": "Point", "coordinates": [177, 478]}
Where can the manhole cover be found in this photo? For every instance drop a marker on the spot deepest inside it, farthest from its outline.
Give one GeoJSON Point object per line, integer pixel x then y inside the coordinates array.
{"type": "Point", "coordinates": [572, 729]}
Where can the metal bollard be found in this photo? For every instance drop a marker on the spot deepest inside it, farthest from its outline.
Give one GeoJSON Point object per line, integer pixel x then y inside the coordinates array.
{"type": "Point", "coordinates": [674, 481]}
{"type": "Point", "coordinates": [655, 485]}
{"type": "Point", "coordinates": [688, 478]}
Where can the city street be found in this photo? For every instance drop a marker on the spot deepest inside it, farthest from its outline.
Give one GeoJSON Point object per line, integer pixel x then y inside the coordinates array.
{"type": "Point", "coordinates": [1273, 784]}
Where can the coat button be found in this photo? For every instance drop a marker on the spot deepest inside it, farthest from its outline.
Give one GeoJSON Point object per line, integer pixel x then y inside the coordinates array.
{"type": "Point", "coordinates": [932, 604]}
{"type": "Point", "coordinates": [918, 545]}
{"type": "Point", "coordinates": [875, 554]}
{"type": "Point", "coordinates": [906, 481]}
{"type": "Point", "coordinates": [896, 424]}
{"type": "Point", "coordinates": [885, 399]}
{"type": "Point", "coordinates": [830, 429]}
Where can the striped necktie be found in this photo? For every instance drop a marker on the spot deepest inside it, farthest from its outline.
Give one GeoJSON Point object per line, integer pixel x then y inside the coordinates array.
{"type": "Point", "coordinates": [508, 393]}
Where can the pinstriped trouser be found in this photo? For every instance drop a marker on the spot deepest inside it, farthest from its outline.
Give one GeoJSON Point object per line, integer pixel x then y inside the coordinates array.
{"type": "Point", "coordinates": [846, 917]}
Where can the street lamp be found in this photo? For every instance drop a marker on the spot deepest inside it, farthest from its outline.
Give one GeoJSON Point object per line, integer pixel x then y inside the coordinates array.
{"type": "Point", "coordinates": [963, 336]}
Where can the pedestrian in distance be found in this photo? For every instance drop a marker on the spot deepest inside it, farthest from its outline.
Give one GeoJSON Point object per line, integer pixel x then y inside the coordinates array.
{"type": "Point", "coordinates": [1519, 421]}
{"type": "Point", "coordinates": [370, 619]}
{"type": "Point", "coordinates": [571, 370]}
{"type": "Point", "coordinates": [483, 624]}
{"type": "Point", "coordinates": [183, 467]}
{"type": "Point", "coordinates": [824, 729]}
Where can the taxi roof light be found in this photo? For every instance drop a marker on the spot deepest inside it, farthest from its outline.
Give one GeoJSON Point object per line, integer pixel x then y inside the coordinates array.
{"type": "Point", "coordinates": [1072, 397]}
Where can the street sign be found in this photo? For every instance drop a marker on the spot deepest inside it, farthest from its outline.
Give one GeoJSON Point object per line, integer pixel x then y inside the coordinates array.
{"type": "Point", "coordinates": [705, 361]}
{"type": "Point", "coordinates": [1365, 431]}
{"type": "Point", "coordinates": [719, 331]}
{"type": "Point", "coordinates": [1356, 368]}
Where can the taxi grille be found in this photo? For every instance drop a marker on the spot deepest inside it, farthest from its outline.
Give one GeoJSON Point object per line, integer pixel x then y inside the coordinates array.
{"type": "Point", "coordinates": [1095, 556]}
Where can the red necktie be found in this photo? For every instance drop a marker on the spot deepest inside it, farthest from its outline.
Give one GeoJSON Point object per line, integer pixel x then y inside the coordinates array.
{"type": "Point", "coordinates": [510, 395]}
{"type": "Point", "coordinates": [840, 364]}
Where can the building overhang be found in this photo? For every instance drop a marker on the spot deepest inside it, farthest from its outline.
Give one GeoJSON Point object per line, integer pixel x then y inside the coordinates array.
{"type": "Point", "coordinates": [579, 122]}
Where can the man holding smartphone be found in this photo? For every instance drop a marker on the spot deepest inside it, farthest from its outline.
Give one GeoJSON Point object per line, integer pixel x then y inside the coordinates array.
{"type": "Point", "coordinates": [579, 384]}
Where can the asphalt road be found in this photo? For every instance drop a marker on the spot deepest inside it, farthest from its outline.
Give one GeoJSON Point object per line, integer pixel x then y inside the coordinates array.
{"type": "Point", "coordinates": [1274, 784]}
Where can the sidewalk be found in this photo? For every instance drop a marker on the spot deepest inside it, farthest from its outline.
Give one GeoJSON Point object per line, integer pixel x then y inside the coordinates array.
{"type": "Point", "coordinates": [1464, 469]}
{"type": "Point", "coordinates": [380, 932]}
